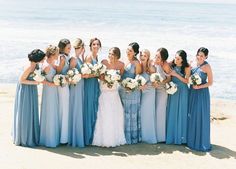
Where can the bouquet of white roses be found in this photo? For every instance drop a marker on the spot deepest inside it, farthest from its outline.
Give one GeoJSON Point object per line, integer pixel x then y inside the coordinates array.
{"type": "Point", "coordinates": [156, 77]}
{"type": "Point", "coordinates": [98, 69]}
{"type": "Point", "coordinates": [73, 76]}
{"type": "Point", "coordinates": [195, 79]}
{"type": "Point", "coordinates": [60, 80]}
{"type": "Point", "coordinates": [171, 88]}
{"type": "Point", "coordinates": [87, 68]}
{"type": "Point", "coordinates": [39, 75]}
{"type": "Point", "coordinates": [141, 80]}
{"type": "Point", "coordinates": [111, 77]}
{"type": "Point", "coordinates": [130, 84]}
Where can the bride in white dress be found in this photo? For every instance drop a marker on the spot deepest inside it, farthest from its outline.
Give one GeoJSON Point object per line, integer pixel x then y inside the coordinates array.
{"type": "Point", "coordinates": [109, 128]}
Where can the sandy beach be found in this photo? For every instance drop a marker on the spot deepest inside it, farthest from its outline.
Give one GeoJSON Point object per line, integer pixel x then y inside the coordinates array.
{"type": "Point", "coordinates": [140, 156]}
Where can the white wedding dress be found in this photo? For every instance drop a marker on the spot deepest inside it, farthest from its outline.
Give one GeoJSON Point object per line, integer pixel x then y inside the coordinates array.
{"type": "Point", "coordinates": [109, 128]}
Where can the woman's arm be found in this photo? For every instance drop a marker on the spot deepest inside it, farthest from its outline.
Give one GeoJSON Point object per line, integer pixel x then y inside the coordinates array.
{"type": "Point", "coordinates": [138, 68]}
{"type": "Point", "coordinates": [167, 70]}
{"type": "Point", "coordinates": [208, 71]}
{"type": "Point", "coordinates": [183, 79]}
{"type": "Point", "coordinates": [61, 64]}
{"type": "Point", "coordinates": [24, 76]}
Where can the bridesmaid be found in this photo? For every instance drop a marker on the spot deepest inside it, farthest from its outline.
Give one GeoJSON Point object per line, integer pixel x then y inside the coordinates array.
{"type": "Point", "coordinates": [64, 50]}
{"type": "Point", "coordinates": [26, 117]}
{"type": "Point", "coordinates": [177, 108]}
{"type": "Point", "coordinates": [161, 96]}
{"type": "Point", "coordinates": [76, 133]}
{"type": "Point", "coordinates": [91, 93]}
{"type": "Point", "coordinates": [131, 99]}
{"type": "Point", "coordinates": [49, 118]}
{"type": "Point", "coordinates": [199, 105]}
{"type": "Point", "coordinates": [147, 110]}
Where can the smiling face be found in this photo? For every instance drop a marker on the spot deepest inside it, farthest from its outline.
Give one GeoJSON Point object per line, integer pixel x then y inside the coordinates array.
{"type": "Point", "coordinates": [158, 57]}
{"type": "Point", "coordinates": [95, 46]}
{"type": "Point", "coordinates": [111, 55]}
{"type": "Point", "coordinates": [178, 60]}
{"type": "Point", "coordinates": [201, 57]}
{"type": "Point", "coordinates": [130, 53]}
{"type": "Point", "coordinates": [67, 49]}
{"type": "Point", "coordinates": [144, 56]}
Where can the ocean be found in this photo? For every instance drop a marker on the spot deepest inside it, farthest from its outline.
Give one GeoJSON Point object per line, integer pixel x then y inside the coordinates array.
{"type": "Point", "coordinates": [29, 24]}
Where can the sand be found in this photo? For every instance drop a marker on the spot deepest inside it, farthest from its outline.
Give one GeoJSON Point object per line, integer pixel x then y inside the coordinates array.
{"type": "Point", "coordinates": [140, 156]}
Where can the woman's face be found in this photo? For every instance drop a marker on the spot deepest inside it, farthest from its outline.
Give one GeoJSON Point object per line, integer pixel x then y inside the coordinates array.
{"type": "Point", "coordinates": [144, 57]}
{"type": "Point", "coordinates": [158, 57]}
{"type": "Point", "coordinates": [111, 55]}
{"type": "Point", "coordinates": [95, 46]}
{"type": "Point", "coordinates": [67, 49]}
{"type": "Point", "coordinates": [178, 60]}
{"type": "Point", "coordinates": [130, 53]}
{"type": "Point", "coordinates": [79, 49]}
{"type": "Point", "coordinates": [201, 57]}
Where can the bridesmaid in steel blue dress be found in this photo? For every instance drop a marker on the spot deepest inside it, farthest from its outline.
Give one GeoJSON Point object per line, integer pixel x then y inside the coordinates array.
{"type": "Point", "coordinates": [91, 94]}
{"type": "Point", "coordinates": [76, 132]}
{"type": "Point", "coordinates": [63, 91]}
{"type": "Point", "coordinates": [199, 105]}
{"type": "Point", "coordinates": [163, 68]}
{"type": "Point", "coordinates": [26, 117]}
{"type": "Point", "coordinates": [131, 99]}
{"type": "Point", "coordinates": [49, 118]}
{"type": "Point", "coordinates": [177, 107]}
{"type": "Point", "coordinates": [148, 111]}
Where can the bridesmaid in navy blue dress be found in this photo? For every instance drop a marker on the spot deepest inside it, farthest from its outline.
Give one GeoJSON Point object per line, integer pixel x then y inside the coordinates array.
{"type": "Point", "coordinates": [26, 117]}
{"type": "Point", "coordinates": [91, 93]}
{"type": "Point", "coordinates": [199, 105]}
{"type": "Point", "coordinates": [177, 105]}
{"type": "Point", "coordinates": [76, 133]}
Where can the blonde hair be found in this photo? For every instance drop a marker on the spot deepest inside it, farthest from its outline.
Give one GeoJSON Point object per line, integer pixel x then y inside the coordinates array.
{"type": "Point", "coordinates": [78, 43]}
{"type": "Point", "coordinates": [148, 65]}
{"type": "Point", "coordinates": [51, 50]}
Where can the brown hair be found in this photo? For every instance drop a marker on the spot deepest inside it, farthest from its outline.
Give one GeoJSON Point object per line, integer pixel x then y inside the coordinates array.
{"type": "Point", "coordinates": [51, 50]}
{"type": "Point", "coordinates": [78, 43]}
{"type": "Point", "coordinates": [116, 52]}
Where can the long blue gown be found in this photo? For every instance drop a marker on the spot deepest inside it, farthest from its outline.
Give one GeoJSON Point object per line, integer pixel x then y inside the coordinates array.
{"type": "Point", "coordinates": [26, 115]}
{"type": "Point", "coordinates": [131, 105]}
{"type": "Point", "coordinates": [148, 111]}
{"type": "Point", "coordinates": [91, 94]}
{"type": "Point", "coordinates": [49, 119]}
{"type": "Point", "coordinates": [177, 110]}
{"type": "Point", "coordinates": [199, 115]}
{"type": "Point", "coordinates": [76, 133]}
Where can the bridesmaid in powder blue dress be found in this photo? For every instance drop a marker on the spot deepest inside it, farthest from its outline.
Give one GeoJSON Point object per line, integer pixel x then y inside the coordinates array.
{"type": "Point", "coordinates": [177, 108]}
{"type": "Point", "coordinates": [91, 94]}
{"type": "Point", "coordinates": [131, 99]}
{"type": "Point", "coordinates": [148, 111]}
{"type": "Point", "coordinates": [26, 117]}
{"type": "Point", "coordinates": [49, 119]}
{"type": "Point", "coordinates": [199, 105]}
{"type": "Point", "coordinates": [64, 49]}
{"type": "Point", "coordinates": [76, 132]}
{"type": "Point", "coordinates": [163, 68]}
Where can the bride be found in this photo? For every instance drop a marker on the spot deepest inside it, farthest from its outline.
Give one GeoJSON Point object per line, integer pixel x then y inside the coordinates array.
{"type": "Point", "coordinates": [109, 128]}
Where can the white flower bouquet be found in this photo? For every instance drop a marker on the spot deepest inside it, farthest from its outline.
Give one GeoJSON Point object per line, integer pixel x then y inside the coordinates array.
{"type": "Point", "coordinates": [111, 77]}
{"type": "Point", "coordinates": [156, 77]}
{"type": "Point", "coordinates": [130, 84]}
{"type": "Point", "coordinates": [195, 79]}
{"type": "Point", "coordinates": [60, 80]}
{"type": "Point", "coordinates": [171, 88]}
{"type": "Point", "coordinates": [39, 75]}
{"type": "Point", "coordinates": [141, 80]}
{"type": "Point", "coordinates": [98, 69]}
{"type": "Point", "coordinates": [73, 76]}
{"type": "Point", "coordinates": [87, 68]}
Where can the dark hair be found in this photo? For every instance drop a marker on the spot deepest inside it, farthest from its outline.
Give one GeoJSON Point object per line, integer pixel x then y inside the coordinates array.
{"type": "Point", "coordinates": [185, 64]}
{"type": "Point", "coordinates": [62, 45]}
{"type": "Point", "coordinates": [36, 55]}
{"type": "Point", "coordinates": [116, 52]}
{"type": "Point", "coordinates": [94, 39]}
{"type": "Point", "coordinates": [135, 47]}
{"type": "Point", "coordinates": [164, 53]}
{"type": "Point", "coordinates": [203, 50]}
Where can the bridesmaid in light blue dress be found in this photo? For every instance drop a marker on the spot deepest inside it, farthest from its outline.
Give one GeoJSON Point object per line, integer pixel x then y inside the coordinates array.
{"type": "Point", "coordinates": [199, 105]}
{"type": "Point", "coordinates": [177, 108]}
{"type": "Point", "coordinates": [76, 132]}
{"type": "Point", "coordinates": [49, 118]}
{"type": "Point", "coordinates": [64, 50]}
{"type": "Point", "coordinates": [26, 116]}
{"type": "Point", "coordinates": [91, 94]}
{"type": "Point", "coordinates": [131, 99]}
{"type": "Point", "coordinates": [148, 111]}
{"type": "Point", "coordinates": [161, 96]}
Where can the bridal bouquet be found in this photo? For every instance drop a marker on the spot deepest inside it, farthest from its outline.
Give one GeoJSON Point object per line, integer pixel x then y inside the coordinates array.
{"type": "Point", "coordinates": [171, 88]}
{"type": "Point", "coordinates": [111, 77]}
{"type": "Point", "coordinates": [73, 76]}
{"type": "Point", "coordinates": [98, 69]}
{"type": "Point", "coordinates": [156, 77]}
{"type": "Point", "coordinates": [60, 80]}
{"type": "Point", "coordinates": [87, 68]}
{"type": "Point", "coordinates": [39, 75]}
{"type": "Point", "coordinates": [195, 79]}
{"type": "Point", "coordinates": [130, 84]}
{"type": "Point", "coordinates": [141, 80]}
